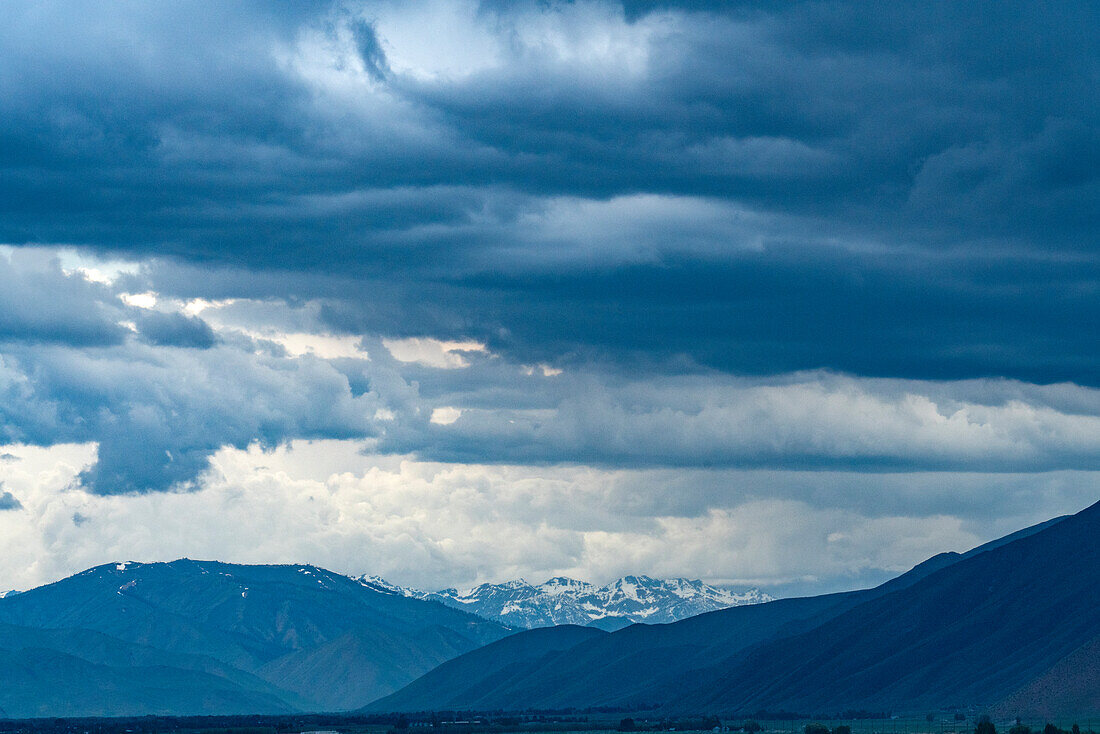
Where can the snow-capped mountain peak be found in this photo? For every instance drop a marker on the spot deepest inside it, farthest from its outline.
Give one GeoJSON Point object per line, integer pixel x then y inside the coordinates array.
{"type": "Point", "coordinates": [562, 600]}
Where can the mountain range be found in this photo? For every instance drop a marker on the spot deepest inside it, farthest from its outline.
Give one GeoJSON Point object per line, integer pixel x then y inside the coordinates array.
{"type": "Point", "coordinates": [1011, 626]}
{"type": "Point", "coordinates": [563, 600]}
{"type": "Point", "coordinates": [192, 637]}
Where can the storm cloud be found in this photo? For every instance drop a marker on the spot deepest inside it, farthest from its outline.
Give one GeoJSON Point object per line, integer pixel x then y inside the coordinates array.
{"type": "Point", "coordinates": [844, 239]}
{"type": "Point", "coordinates": [881, 190]}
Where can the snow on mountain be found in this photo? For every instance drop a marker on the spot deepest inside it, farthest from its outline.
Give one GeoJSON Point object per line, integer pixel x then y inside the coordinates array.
{"type": "Point", "coordinates": [562, 600]}
{"type": "Point", "coordinates": [5, 594]}
{"type": "Point", "coordinates": [380, 584]}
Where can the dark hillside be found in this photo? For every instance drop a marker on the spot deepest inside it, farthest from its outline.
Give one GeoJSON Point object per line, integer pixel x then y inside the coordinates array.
{"type": "Point", "coordinates": [968, 634]}
{"type": "Point", "coordinates": [958, 628]}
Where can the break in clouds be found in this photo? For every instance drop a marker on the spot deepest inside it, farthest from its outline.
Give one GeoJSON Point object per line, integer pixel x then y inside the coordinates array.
{"type": "Point", "coordinates": [715, 284]}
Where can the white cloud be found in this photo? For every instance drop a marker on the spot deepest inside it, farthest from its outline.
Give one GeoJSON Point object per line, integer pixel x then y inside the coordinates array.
{"type": "Point", "coordinates": [294, 328]}
{"type": "Point", "coordinates": [196, 306]}
{"type": "Point", "coordinates": [325, 346]}
{"type": "Point", "coordinates": [433, 525]}
{"type": "Point", "coordinates": [139, 300]}
{"type": "Point", "coordinates": [545, 369]}
{"type": "Point", "coordinates": [445, 416]}
{"type": "Point", "coordinates": [441, 354]}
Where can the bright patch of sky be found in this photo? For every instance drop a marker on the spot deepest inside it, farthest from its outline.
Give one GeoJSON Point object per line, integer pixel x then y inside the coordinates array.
{"type": "Point", "coordinates": [445, 415]}
{"type": "Point", "coordinates": [140, 300]}
{"type": "Point", "coordinates": [445, 355]}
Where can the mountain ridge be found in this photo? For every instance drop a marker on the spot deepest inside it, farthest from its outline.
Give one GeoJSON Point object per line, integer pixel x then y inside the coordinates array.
{"type": "Point", "coordinates": [190, 637]}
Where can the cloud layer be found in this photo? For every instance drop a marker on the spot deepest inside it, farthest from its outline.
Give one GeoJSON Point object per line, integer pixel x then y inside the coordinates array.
{"type": "Point", "coordinates": [178, 380]}
{"type": "Point", "coordinates": [758, 188]}
{"type": "Point", "coordinates": [541, 242]}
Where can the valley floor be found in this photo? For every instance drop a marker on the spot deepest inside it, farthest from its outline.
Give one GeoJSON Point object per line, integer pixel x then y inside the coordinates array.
{"type": "Point", "coordinates": [496, 722]}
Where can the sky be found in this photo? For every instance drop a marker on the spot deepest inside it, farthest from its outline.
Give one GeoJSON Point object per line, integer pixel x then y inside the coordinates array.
{"type": "Point", "coordinates": [792, 295]}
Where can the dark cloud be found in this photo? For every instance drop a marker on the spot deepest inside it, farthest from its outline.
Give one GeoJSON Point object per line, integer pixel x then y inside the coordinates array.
{"type": "Point", "coordinates": [871, 117]}
{"type": "Point", "coordinates": [8, 501]}
{"type": "Point", "coordinates": [370, 49]}
{"type": "Point", "coordinates": [176, 330]}
{"type": "Point", "coordinates": [41, 303]}
{"type": "Point", "coordinates": [680, 191]}
{"type": "Point", "coordinates": [946, 316]}
{"type": "Point", "coordinates": [158, 417]}
{"type": "Point", "coordinates": [800, 165]}
{"type": "Point", "coordinates": [930, 317]}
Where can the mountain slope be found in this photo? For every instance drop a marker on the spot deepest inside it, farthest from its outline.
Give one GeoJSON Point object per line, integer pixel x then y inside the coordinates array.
{"type": "Point", "coordinates": [971, 633]}
{"type": "Point", "coordinates": [80, 672]}
{"type": "Point", "coordinates": [37, 682]}
{"type": "Point", "coordinates": [344, 672]}
{"type": "Point", "coordinates": [833, 652]}
{"type": "Point", "coordinates": [324, 640]}
{"type": "Point", "coordinates": [1070, 687]}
